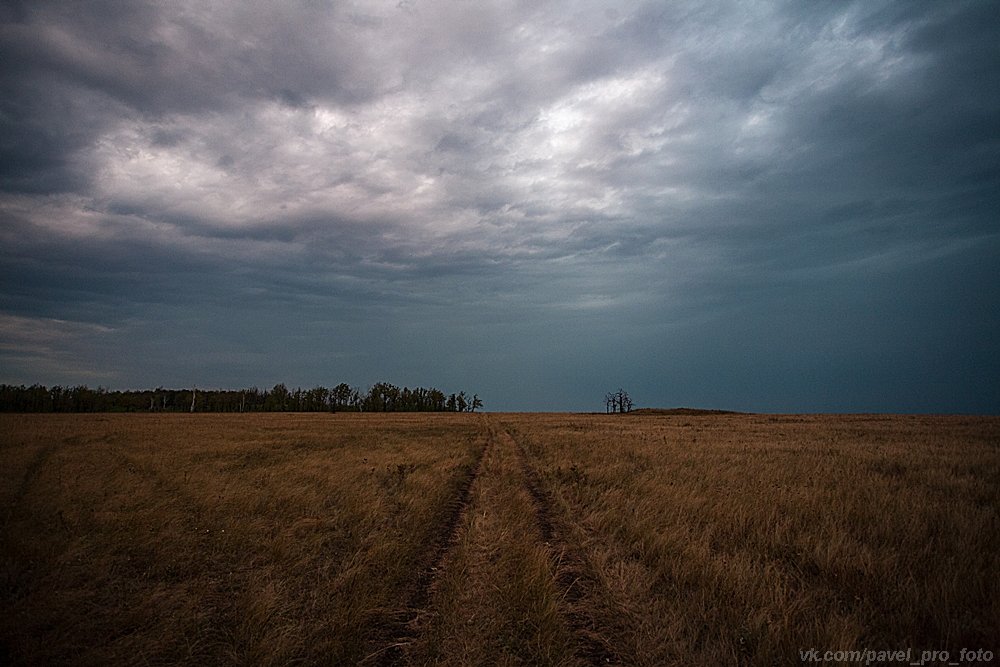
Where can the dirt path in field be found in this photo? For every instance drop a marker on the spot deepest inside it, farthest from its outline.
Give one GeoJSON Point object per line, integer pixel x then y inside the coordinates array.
{"type": "Point", "coordinates": [447, 537]}
{"type": "Point", "coordinates": [509, 583]}
{"type": "Point", "coordinates": [34, 468]}
{"type": "Point", "coordinates": [580, 589]}
{"type": "Point", "coordinates": [507, 580]}
{"type": "Point", "coordinates": [403, 633]}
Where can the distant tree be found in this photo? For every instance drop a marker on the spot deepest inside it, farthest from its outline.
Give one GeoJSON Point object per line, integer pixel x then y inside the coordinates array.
{"type": "Point", "coordinates": [617, 401]}
{"type": "Point", "coordinates": [318, 399]}
{"type": "Point", "coordinates": [277, 399]}
{"type": "Point", "coordinates": [437, 400]}
{"type": "Point", "coordinates": [624, 401]}
{"type": "Point", "coordinates": [343, 397]}
{"type": "Point", "coordinates": [383, 397]}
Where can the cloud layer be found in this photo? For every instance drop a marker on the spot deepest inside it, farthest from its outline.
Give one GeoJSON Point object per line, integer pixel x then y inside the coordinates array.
{"type": "Point", "coordinates": [764, 206]}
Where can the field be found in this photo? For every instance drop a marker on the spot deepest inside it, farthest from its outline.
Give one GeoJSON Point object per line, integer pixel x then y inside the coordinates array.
{"type": "Point", "coordinates": [460, 539]}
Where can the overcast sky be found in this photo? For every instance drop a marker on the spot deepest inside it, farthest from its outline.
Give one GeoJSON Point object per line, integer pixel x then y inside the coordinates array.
{"type": "Point", "coordinates": [788, 206]}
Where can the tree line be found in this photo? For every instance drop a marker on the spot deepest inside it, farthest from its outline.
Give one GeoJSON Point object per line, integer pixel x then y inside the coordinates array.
{"type": "Point", "coordinates": [381, 397]}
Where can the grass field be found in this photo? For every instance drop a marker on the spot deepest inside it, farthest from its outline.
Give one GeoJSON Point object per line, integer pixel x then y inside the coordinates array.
{"type": "Point", "coordinates": [511, 539]}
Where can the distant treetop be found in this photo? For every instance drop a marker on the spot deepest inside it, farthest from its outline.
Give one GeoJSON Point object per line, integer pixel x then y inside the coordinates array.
{"type": "Point", "coordinates": [381, 397]}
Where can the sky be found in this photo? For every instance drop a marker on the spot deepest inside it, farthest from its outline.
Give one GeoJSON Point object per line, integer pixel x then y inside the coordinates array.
{"type": "Point", "coordinates": [762, 206]}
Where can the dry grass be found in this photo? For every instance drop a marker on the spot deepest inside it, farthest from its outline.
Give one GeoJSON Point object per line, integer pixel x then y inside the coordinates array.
{"type": "Point", "coordinates": [744, 538]}
{"type": "Point", "coordinates": [495, 601]}
{"type": "Point", "coordinates": [650, 539]}
{"type": "Point", "coordinates": [261, 539]}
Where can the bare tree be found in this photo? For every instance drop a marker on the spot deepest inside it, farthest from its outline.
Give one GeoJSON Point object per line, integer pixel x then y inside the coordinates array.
{"type": "Point", "coordinates": [617, 401]}
{"type": "Point", "coordinates": [624, 401]}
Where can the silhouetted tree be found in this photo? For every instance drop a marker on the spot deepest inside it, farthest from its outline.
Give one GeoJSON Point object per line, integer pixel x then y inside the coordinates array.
{"type": "Point", "coordinates": [277, 398]}
{"type": "Point", "coordinates": [617, 401]}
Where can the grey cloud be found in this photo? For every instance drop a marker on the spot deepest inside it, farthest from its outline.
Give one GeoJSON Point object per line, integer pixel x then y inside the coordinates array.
{"type": "Point", "coordinates": [748, 204]}
{"type": "Point", "coordinates": [160, 59]}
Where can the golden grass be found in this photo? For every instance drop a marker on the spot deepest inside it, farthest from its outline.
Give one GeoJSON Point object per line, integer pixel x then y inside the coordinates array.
{"type": "Point", "coordinates": [255, 539]}
{"type": "Point", "coordinates": [745, 538]}
{"type": "Point", "coordinates": [642, 539]}
{"type": "Point", "coordinates": [495, 601]}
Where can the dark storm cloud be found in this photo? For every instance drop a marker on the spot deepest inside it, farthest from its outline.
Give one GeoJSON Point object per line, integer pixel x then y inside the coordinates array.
{"type": "Point", "coordinates": [767, 205]}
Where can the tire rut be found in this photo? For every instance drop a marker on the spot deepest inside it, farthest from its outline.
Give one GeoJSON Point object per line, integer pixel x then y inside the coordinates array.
{"type": "Point", "coordinates": [404, 632]}
{"type": "Point", "coordinates": [32, 471]}
{"type": "Point", "coordinates": [574, 578]}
